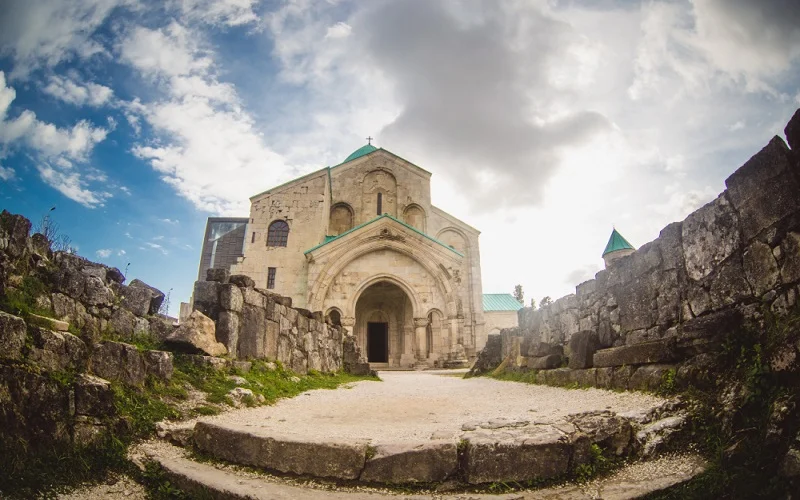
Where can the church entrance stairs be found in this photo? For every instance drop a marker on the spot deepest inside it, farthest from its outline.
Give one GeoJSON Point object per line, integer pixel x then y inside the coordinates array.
{"type": "Point", "coordinates": [426, 428]}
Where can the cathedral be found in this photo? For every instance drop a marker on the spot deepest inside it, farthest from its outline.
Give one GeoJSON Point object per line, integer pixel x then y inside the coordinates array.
{"type": "Point", "coordinates": [362, 242]}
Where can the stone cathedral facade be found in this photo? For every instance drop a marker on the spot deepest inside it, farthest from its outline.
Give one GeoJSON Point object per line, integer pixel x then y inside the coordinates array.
{"type": "Point", "coordinates": [362, 242]}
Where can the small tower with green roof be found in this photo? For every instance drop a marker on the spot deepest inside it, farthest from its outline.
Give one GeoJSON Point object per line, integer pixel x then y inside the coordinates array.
{"type": "Point", "coordinates": [617, 247]}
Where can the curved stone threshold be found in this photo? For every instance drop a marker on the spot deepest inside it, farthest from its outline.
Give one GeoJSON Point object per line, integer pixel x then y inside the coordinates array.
{"type": "Point", "coordinates": [231, 482]}
{"type": "Point", "coordinates": [484, 452]}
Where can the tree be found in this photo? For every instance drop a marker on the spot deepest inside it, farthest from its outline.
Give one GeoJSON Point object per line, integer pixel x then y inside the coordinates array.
{"type": "Point", "coordinates": [519, 294]}
{"type": "Point", "coordinates": [546, 301]}
{"type": "Point", "coordinates": [52, 232]}
{"type": "Point", "coordinates": [533, 303]}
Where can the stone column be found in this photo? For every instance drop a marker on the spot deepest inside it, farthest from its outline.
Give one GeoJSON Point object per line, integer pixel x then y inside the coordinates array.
{"type": "Point", "coordinates": [420, 336]}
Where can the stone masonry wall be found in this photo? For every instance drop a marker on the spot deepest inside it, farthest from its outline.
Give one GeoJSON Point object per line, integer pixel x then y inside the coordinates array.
{"type": "Point", "coordinates": [672, 302]}
{"type": "Point", "coordinates": [254, 323]}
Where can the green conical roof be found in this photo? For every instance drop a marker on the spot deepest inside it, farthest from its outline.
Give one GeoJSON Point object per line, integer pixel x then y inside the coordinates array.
{"type": "Point", "coordinates": [358, 153]}
{"type": "Point", "coordinates": [617, 242]}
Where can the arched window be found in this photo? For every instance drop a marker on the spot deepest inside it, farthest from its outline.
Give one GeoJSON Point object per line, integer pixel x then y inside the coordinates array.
{"type": "Point", "coordinates": [278, 234]}
{"type": "Point", "coordinates": [380, 203]}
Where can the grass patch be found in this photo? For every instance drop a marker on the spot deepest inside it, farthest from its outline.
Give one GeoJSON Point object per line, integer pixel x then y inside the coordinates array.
{"type": "Point", "coordinates": [264, 380]}
{"type": "Point", "coordinates": [21, 301]}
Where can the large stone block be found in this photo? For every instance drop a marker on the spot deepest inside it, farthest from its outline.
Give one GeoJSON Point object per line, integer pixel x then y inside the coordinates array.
{"type": "Point", "coordinates": [96, 293]}
{"type": "Point", "coordinates": [123, 322]}
{"type": "Point", "coordinates": [252, 332]}
{"type": "Point", "coordinates": [156, 296]}
{"type": "Point", "coordinates": [135, 299]}
{"type": "Point", "coordinates": [12, 336]}
{"type": "Point", "coordinates": [158, 364]}
{"type": "Point", "coordinates": [228, 331]}
{"type": "Point", "coordinates": [649, 377]}
{"type": "Point", "coordinates": [764, 189]}
{"type": "Point", "coordinates": [760, 268]}
{"type": "Point", "coordinates": [196, 335]}
{"type": "Point", "coordinates": [790, 267]}
{"type": "Point", "coordinates": [319, 459]}
{"type": "Point", "coordinates": [230, 298]}
{"type": "Point", "coordinates": [635, 299]}
{"type": "Point", "coordinates": [93, 396]}
{"type": "Point", "coordinates": [545, 362]}
{"type": "Point", "coordinates": [658, 351]}
{"type": "Point", "coordinates": [582, 347]}
{"type": "Point", "coordinates": [426, 462]}
{"type": "Point", "coordinates": [242, 281]}
{"type": "Point", "coordinates": [606, 429]}
{"type": "Point", "coordinates": [57, 351]}
{"type": "Point", "coordinates": [543, 449]}
{"type": "Point", "coordinates": [540, 349]}
{"type": "Point", "coordinates": [17, 228]}
{"type": "Point", "coordinates": [220, 275]}
{"type": "Point", "coordinates": [710, 235]}
{"type": "Point", "coordinates": [118, 361]}
{"type": "Point", "coordinates": [728, 285]}
{"type": "Point", "coordinates": [206, 298]}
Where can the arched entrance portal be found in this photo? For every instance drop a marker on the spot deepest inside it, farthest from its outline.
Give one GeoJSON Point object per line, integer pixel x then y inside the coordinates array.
{"type": "Point", "coordinates": [384, 323]}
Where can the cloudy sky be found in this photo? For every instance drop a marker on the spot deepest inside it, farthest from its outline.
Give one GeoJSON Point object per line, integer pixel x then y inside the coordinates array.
{"type": "Point", "coordinates": [543, 122]}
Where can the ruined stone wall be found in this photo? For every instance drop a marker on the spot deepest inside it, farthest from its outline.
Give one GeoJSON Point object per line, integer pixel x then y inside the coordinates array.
{"type": "Point", "coordinates": [254, 323]}
{"type": "Point", "coordinates": [672, 302]}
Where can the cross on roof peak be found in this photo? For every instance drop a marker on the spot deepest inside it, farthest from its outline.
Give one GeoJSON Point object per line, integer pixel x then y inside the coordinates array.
{"type": "Point", "coordinates": [369, 140]}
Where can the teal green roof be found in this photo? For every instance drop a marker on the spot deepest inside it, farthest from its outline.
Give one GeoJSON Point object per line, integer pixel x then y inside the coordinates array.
{"type": "Point", "coordinates": [617, 242]}
{"type": "Point", "coordinates": [358, 153]}
{"type": "Point", "coordinates": [329, 239]}
{"type": "Point", "coordinates": [500, 302]}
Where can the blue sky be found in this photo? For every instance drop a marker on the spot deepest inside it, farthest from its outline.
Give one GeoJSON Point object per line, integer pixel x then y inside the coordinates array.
{"type": "Point", "coordinates": [543, 122]}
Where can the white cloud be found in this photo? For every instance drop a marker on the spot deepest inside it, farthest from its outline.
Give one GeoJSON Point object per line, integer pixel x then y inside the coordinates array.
{"type": "Point", "coordinates": [156, 246]}
{"type": "Point", "coordinates": [7, 173]}
{"type": "Point", "coordinates": [339, 30]}
{"type": "Point", "coordinates": [72, 186]}
{"type": "Point", "coordinates": [209, 149]}
{"type": "Point", "coordinates": [227, 12]}
{"type": "Point", "coordinates": [104, 253]}
{"type": "Point", "coordinates": [57, 149]}
{"type": "Point", "coordinates": [170, 221]}
{"type": "Point", "coordinates": [78, 93]}
{"type": "Point", "coordinates": [47, 32]}
{"type": "Point", "coordinates": [121, 252]}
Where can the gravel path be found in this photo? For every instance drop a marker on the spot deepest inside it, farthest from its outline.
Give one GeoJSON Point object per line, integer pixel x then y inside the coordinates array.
{"type": "Point", "coordinates": [419, 406]}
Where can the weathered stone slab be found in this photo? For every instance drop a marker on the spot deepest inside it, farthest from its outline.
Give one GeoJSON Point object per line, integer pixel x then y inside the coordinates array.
{"type": "Point", "coordinates": [606, 429]}
{"type": "Point", "coordinates": [230, 298]}
{"type": "Point", "coordinates": [93, 396]}
{"type": "Point", "coordinates": [242, 281]}
{"type": "Point", "coordinates": [197, 334]}
{"type": "Point", "coordinates": [320, 459]}
{"type": "Point", "coordinates": [227, 331]}
{"type": "Point", "coordinates": [658, 351]}
{"type": "Point", "coordinates": [649, 377]}
{"type": "Point", "coordinates": [218, 274]}
{"type": "Point", "coordinates": [540, 349]}
{"type": "Point", "coordinates": [118, 361]}
{"type": "Point", "coordinates": [206, 298]}
{"type": "Point", "coordinates": [156, 296]}
{"type": "Point", "coordinates": [252, 332]}
{"type": "Point", "coordinates": [12, 336]}
{"type": "Point", "coordinates": [543, 449]}
{"type": "Point", "coordinates": [158, 364]}
{"type": "Point", "coordinates": [763, 190]}
{"type": "Point", "coordinates": [545, 362]}
{"type": "Point", "coordinates": [760, 268]}
{"type": "Point", "coordinates": [135, 299]}
{"type": "Point", "coordinates": [710, 235]}
{"type": "Point", "coordinates": [57, 351]}
{"type": "Point", "coordinates": [411, 463]}
{"type": "Point", "coordinates": [582, 347]}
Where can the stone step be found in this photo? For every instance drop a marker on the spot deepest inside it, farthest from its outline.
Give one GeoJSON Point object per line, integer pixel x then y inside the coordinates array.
{"type": "Point", "coordinates": [226, 482]}
{"type": "Point", "coordinates": [483, 452]}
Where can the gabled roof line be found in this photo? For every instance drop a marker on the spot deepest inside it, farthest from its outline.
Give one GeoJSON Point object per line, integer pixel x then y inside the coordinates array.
{"type": "Point", "coordinates": [385, 151]}
{"type": "Point", "coordinates": [412, 228]}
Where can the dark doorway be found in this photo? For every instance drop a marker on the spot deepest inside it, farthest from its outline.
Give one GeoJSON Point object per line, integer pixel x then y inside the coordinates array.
{"type": "Point", "coordinates": [378, 342]}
